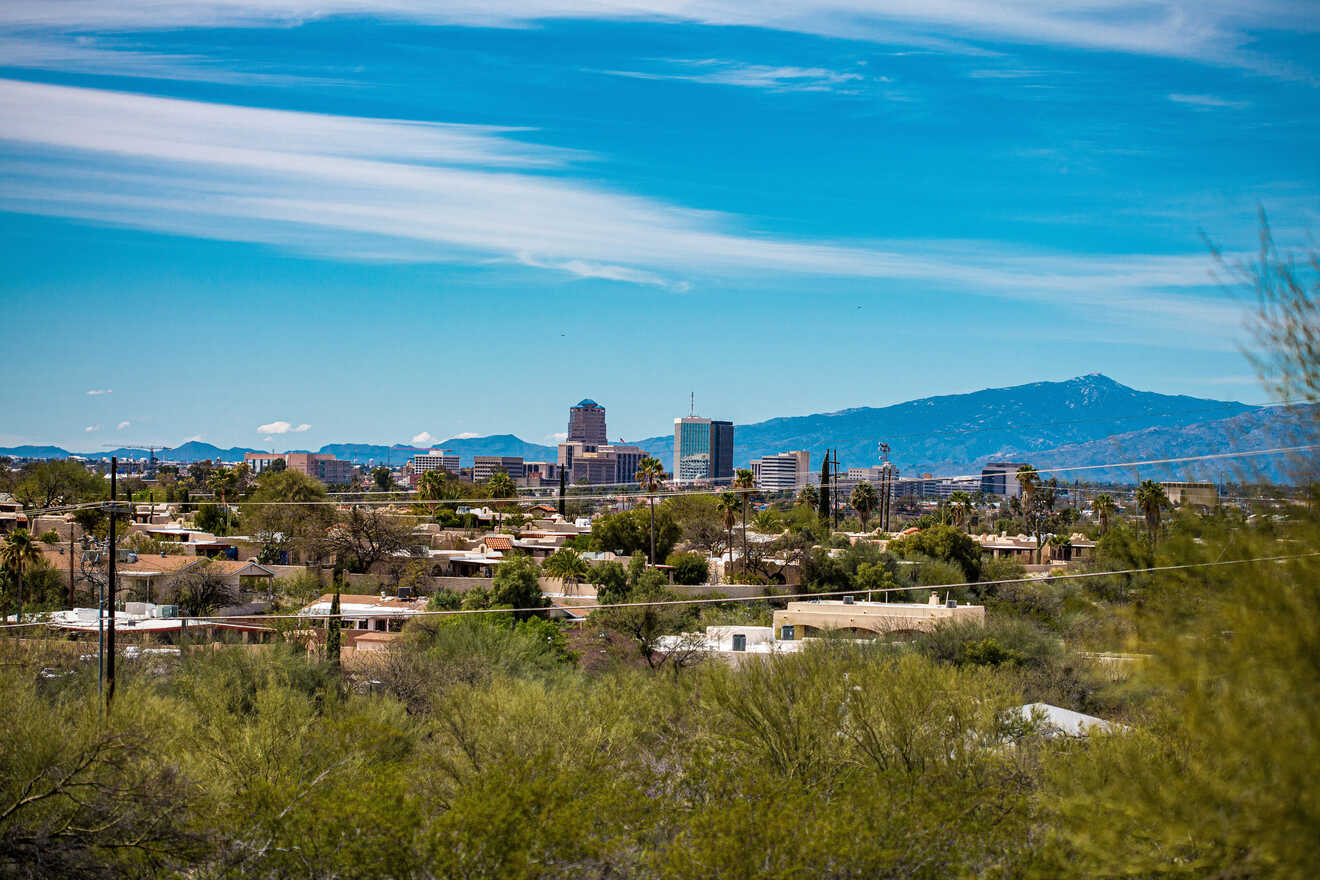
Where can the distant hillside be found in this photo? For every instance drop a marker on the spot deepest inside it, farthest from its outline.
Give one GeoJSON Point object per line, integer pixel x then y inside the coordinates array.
{"type": "Point", "coordinates": [958, 432]}
{"type": "Point", "coordinates": [1083, 421]}
{"type": "Point", "coordinates": [466, 447]}
{"type": "Point", "coordinates": [1267, 428]}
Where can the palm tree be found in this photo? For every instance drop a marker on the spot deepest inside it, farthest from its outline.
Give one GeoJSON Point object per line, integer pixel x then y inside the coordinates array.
{"type": "Point", "coordinates": [960, 505]}
{"type": "Point", "coordinates": [743, 481]}
{"type": "Point", "coordinates": [19, 553]}
{"type": "Point", "coordinates": [1105, 508]}
{"type": "Point", "coordinates": [809, 496]}
{"type": "Point", "coordinates": [1029, 479]}
{"type": "Point", "coordinates": [1151, 498]}
{"type": "Point", "coordinates": [728, 507]}
{"type": "Point", "coordinates": [222, 481]}
{"type": "Point", "coordinates": [649, 474]}
{"type": "Point", "coordinates": [568, 565]}
{"type": "Point", "coordinates": [501, 485]}
{"type": "Point", "coordinates": [431, 487]}
{"type": "Point", "coordinates": [863, 500]}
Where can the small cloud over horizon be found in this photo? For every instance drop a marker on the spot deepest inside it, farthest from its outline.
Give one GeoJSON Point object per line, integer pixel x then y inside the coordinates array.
{"type": "Point", "coordinates": [96, 392]}
{"type": "Point", "coordinates": [557, 437]}
{"type": "Point", "coordinates": [282, 427]}
{"type": "Point", "coordinates": [90, 428]}
{"type": "Point", "coordinates": [122, 425]}
{"type": "Point", "coordinates": [423, 439]}
{"type": "Point", "coordinates": [468, 435]}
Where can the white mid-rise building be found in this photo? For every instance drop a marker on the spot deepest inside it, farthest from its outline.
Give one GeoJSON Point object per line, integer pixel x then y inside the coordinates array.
{"type": "Point", "coordinates": [433, 461]}
{"type": "Point", "coordinates": [787, 471]}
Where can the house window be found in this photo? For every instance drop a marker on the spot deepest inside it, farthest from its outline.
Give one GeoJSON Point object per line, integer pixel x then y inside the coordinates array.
{"type": "Point", "coordinates": [739, 642]}
{"type": "Point", "coordinates": [786, 632]}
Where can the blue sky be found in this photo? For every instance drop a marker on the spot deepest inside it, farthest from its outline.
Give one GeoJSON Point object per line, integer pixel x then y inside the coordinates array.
{"type": "Point", "coordinates": [377, 222]}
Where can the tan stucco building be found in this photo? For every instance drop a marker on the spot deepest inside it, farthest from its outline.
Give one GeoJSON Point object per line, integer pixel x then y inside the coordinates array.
{"type": "Point", "coordinates": [807, 619]}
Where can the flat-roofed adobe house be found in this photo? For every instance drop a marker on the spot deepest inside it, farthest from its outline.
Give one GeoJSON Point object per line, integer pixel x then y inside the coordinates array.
{"type": "Point", "coordinates": [868, 619]}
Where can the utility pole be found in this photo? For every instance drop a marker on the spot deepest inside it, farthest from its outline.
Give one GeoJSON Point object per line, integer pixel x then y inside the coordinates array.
{"type": "Point", "coordinates": [886, 486]}
{"type": "Point", "coordinates": [110, 629]}
{"type": "Point", "coordinates": [836, 489]}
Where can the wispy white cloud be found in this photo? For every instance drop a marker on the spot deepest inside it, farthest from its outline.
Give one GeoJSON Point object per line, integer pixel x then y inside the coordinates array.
{"type": "Point", "coordinates": [356, 188]}
{"type": "Point", "coordinates": [122, 425]}
{"type": "Point", "coordinates": [467, 435]}
{"type": "Point", "coordinates": [282, 427]}
{"type": "Point", "coordinates": [757, 76]}
{"type": "Point", "coordinates": [95, 392]}
{"type": "Point", "coordinates": [195, 438]}
{"type": "Point", "coordinates": [557, 437]}
{"type": "Point", "coordinates": [1210, 29]}
{"type": "Point", "coordinates": [423, 439]}
{"type": "Point", "coordinates": [98, 55]}
{"type": "Point", "coordinates": [1209, 101]}
{"type": "Point", "coordinates": [91, 428]}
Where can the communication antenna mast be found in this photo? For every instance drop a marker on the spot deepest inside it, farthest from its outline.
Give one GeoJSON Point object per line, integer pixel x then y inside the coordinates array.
{"type": "Point", "coordinates": [692, 404]}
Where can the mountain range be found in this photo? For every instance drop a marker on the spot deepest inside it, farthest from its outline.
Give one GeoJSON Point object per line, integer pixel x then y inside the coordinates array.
{"type": "Point", "coordinates": [1088, 420]}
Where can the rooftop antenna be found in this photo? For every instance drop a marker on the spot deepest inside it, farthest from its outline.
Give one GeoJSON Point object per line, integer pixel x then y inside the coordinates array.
{"type": "Point", "coordinates": [692, 404]}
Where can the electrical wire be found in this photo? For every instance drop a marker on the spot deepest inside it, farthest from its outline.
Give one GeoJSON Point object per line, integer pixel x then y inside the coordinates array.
{"type": "Point", "coordinates": [408, 615]}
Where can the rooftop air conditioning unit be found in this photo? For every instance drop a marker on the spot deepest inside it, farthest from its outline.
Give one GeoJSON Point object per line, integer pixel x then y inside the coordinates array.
{"type": "Point", "coordinates": [951, 603]}
{"type": "Point", "coordinates": [848, 600]}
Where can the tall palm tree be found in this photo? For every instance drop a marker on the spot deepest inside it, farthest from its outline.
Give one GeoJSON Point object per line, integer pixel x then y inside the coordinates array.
{"type": "Point", "coordinates": [18, 554]}
{"type": "Point", "coordinates": [1105, 508]}
{"type": "Point", "coordinates": [501, 485]}
{"type": "Point", "coordinates": [649, 474]}
{"type": "Point", "coordinates": [223, 481]}
{"type": "Point", "coordinates": [728, 507]}
{"type": "Point", "coordinates": [568, 565]}
{"type": "Point", "coordinates": [1029, 479]}
{"type": "Point", "coordinates": [960, 505]}
{"type": "Point", "coordinates": [743, 481]}
{"type": "Point", "coordinates": [1151, 498]}
{"type": "Point", "coordinates": [431, 487]}
{"type": "Point", "coordinates": [863, 500]}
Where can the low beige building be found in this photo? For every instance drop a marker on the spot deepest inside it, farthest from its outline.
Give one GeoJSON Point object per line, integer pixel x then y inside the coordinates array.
{"type": "Point", "coordinates": [867, 619]}
{"type": "Point", "coordinates": [1192, 494]}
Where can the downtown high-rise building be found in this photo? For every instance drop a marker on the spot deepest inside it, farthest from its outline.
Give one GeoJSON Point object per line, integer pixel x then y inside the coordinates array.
{"type": "Point", "coordinates": [703, 450]}
{"type": "Point", "coordinates": [586, 423]}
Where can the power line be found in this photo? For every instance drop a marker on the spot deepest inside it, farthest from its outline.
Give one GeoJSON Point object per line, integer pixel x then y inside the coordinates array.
{"type": "Point", "coordinates": [707, 601]}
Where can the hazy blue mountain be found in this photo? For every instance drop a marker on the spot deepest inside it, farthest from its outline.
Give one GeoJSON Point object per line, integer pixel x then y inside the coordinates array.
{"type": "Point", "coordinates": [958, 432]}
{"type": "Point", "coordinates": [466, 447]}
{"type": "Point", "coordinates": [1088, 420]}
{"type": "Point", "coordinates": [193, 450]}
{"type": "Point", "coordinates": [34, 451]}
{"type": "Point", "coordinates": [1266, 428]}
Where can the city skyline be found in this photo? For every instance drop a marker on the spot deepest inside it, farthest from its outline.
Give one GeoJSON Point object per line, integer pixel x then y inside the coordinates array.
{"type": "Point", "coordinates": [233, 224]}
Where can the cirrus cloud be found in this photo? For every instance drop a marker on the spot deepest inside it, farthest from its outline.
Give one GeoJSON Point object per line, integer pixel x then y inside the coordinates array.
{"type": "Point", "coordinates": [97, 392]}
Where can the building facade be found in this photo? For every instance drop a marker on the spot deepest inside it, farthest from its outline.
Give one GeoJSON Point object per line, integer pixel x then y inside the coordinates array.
{"type": "Point", "coordinates": [1000, 478]}
{"type": "Point", "coordinates": [786, 471]}
{"type": "Point", "coordinates": [1192, 494]}
{"type": "Point", "coordinates": [322, 466]}
{"type": "Point", "coordinates": [703, 450]}
{"type": "Point", "coordinates": [433, 461]}
{"type": "Point", "coordinates": [485, 466]}
{"type": "Point", "coordinates": [586, 423]}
